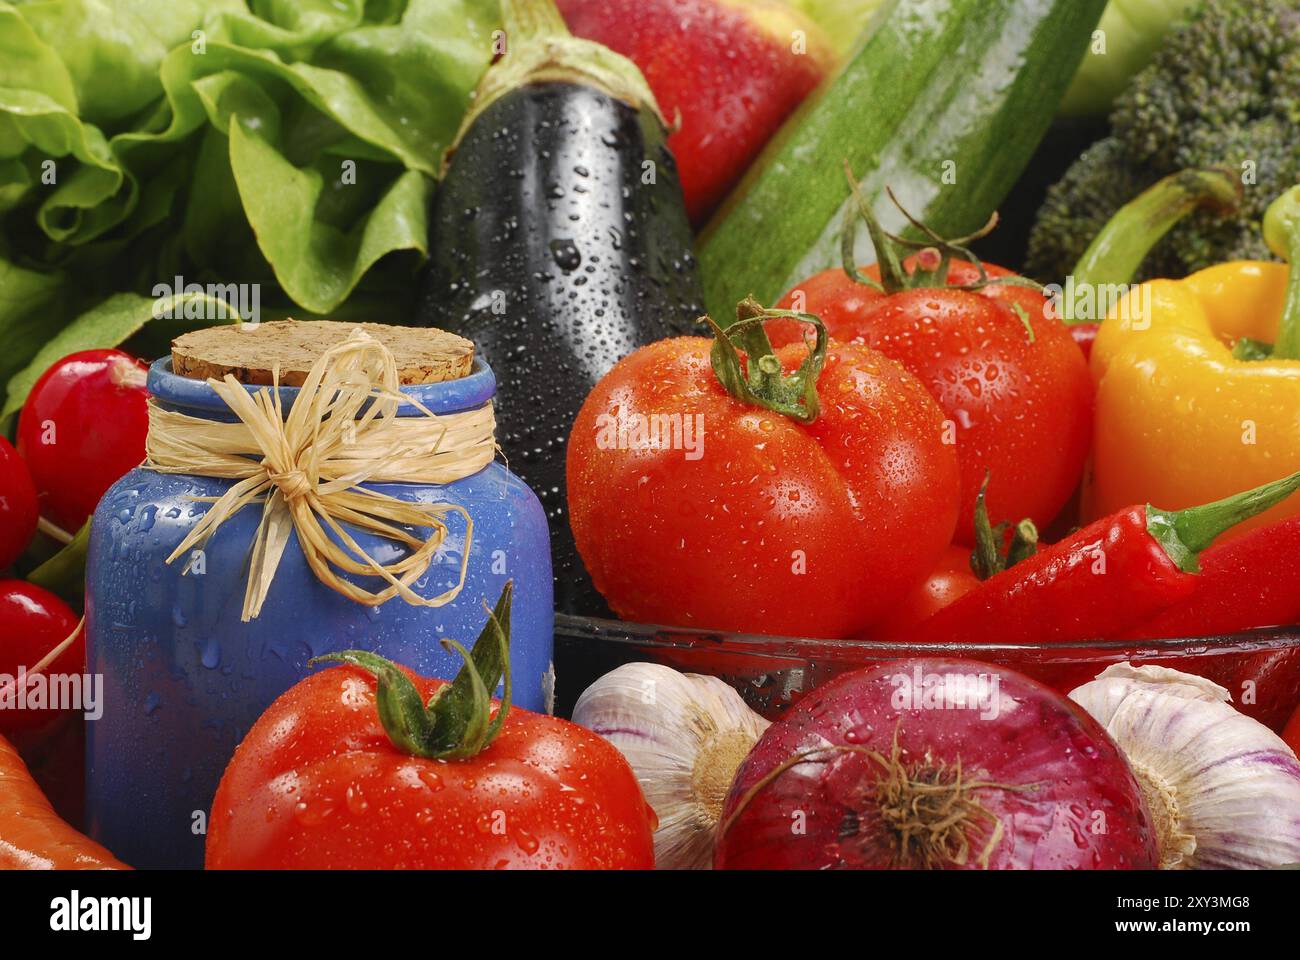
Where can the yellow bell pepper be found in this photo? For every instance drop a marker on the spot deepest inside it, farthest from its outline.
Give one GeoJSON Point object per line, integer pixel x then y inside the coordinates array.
{"type": "Point", "coordinates": [1183, 417]}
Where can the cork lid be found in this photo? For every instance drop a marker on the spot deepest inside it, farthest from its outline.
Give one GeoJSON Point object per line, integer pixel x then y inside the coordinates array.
{"type": "Point", "coordinates": [249, 351]}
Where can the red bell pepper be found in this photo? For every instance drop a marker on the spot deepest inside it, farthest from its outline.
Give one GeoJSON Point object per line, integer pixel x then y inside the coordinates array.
{"type": "Point", "coordinates": [728, 73]}
{"type": "Point", "coordinates": [1101, 581]}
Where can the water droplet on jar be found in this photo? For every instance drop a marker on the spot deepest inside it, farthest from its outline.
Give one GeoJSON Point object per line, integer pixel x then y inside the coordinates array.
{"type": "Point", "coordinates": [211, 656]}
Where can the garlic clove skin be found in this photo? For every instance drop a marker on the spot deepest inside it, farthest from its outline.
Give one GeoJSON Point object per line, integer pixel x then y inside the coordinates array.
{"type": "Point", "coordinates": [684, 736]}
{"type": "Point", "coordinates": [1164, 680]}
{"type": "Point", "coordinates": [1223, 790]}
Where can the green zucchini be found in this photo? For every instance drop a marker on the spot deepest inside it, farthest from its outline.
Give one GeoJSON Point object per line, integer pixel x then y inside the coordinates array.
{"type": "Point", "coordinates": [944, 101]}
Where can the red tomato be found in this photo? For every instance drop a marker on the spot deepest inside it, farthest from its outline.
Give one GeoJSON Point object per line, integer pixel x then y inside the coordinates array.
{"type": "Point", "coordinates": [318, 784]}
{"type": "Point", "coordinates": [951, 578]}
{"type": "Point", "coordinates": [82, 428]}
{"type": "Point", "coordinates": [729, 72]}
{"type": "Point", "coordinates": [769, 526]}
{"type": "Point", "coordinates": [33, 622]}
{"type": "Point", "coordinates": [1085, 335]}
{"type": "Point", "coordinates": [1021, 411]}
{"type": "Point", "coordinates": [18, 511]}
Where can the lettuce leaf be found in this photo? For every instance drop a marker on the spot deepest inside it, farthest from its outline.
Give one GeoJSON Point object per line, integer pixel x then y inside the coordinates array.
{"type": "Point", "coordinates": [287, 143]}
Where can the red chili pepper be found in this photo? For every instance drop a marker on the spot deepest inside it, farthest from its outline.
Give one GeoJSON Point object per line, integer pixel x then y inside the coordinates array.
{"type": "Point", "coordinates": [1103, 580]}
{"type": "Point", "coordinates": [1253, 581]}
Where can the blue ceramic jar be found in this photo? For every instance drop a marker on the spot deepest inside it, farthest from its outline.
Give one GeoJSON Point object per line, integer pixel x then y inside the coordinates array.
{"type": "Point", "coordinates": [184, 678]}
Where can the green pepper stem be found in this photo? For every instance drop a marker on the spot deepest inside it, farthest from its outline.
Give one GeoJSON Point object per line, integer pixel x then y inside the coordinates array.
{"type": "Point", "coordinates": [1118, 250]}
{"type": "Point", "coordinates": [1185, 533]}
{"type": "Point", "coordinates": [1282, 233]}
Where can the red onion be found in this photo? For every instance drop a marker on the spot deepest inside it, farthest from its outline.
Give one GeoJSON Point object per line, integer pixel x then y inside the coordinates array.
{"type": "Point", "coordinates": [940, 764]}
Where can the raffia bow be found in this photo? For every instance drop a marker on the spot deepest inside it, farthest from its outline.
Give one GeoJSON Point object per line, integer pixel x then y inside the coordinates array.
{"type": "Point", "coordinates": [306, 469]}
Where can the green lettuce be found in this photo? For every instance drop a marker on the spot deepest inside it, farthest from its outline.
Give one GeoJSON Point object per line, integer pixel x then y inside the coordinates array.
{"type": "Point", "coordinates": [292, 144]}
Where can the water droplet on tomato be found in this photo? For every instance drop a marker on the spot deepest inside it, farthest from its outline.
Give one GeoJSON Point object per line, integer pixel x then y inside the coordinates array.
{"type": "Point", "coordinates": [526, 841]}
{"type": "Point", "coordinates": [312, 814]}
{"type": "Point", "coordinates": [356, 801]}
{"type": "Point", "coordinates": [431, 780]}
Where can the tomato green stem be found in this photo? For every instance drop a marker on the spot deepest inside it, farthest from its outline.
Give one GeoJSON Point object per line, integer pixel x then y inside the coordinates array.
{"type": "Point", "coordinates": [934, 253]}
{"type": "Point", "coordinates": [1024, 542]}
{"type": "Point", "coordinates": [892, 276]}
{"type": "Point", "coordinates": [1118, 250]}
{"type": "Point", "coordinates": [760, 380]}
{"type": "Point", "coordinates": [990, 557]}
{"type": "Point", "coordinates": [1282, 233]}
{"type": "Point", "coordinates": [457, 722]}
{"type": "Point", "coordinates": [1185, 533]}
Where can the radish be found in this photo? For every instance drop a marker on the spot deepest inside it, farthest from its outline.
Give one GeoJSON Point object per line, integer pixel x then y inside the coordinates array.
{"type": "Point", "coordinates": [83, 426]}
{"type": "Point", "coordinates": [935, 764]}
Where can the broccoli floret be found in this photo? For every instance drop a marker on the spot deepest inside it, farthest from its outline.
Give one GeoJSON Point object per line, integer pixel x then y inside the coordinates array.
{"type": "Point", "coordinates": [1224, 90]}
{"type": "Point", "coordinates": [1079, 205]}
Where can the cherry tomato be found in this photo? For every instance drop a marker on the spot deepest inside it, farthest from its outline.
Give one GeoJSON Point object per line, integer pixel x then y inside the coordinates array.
{"type": "Point", "coordinates": [317, 784]}
{"type": "Point", "coordinates": [18, 511]}
{"type": "Point", "coordinates": [951, 578]}
{"type": "Point", "coordinates": [82, 428]}
{"type": "Point", "coordinates": [1085, 335]}
{"type": "Point", "coordinates": [761, 524]}
{"type": "Point", "coordinates": [1020, 405]}
{"type": "Point", "coordinates": [33, 622]}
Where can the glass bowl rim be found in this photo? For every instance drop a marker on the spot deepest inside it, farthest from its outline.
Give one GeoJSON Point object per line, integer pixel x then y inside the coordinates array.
{"type": "Point", "coordinates": [1257, 640]}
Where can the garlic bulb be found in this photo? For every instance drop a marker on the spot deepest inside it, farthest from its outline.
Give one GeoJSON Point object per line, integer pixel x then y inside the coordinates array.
{"type": "Point", "coordinates": [684, 736]}
{"type": "Point", "coordinates": [1223, 789]}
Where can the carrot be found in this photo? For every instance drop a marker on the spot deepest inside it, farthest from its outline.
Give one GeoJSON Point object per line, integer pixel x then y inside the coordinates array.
{"type": "Point", "coordinates": [32, 836]}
